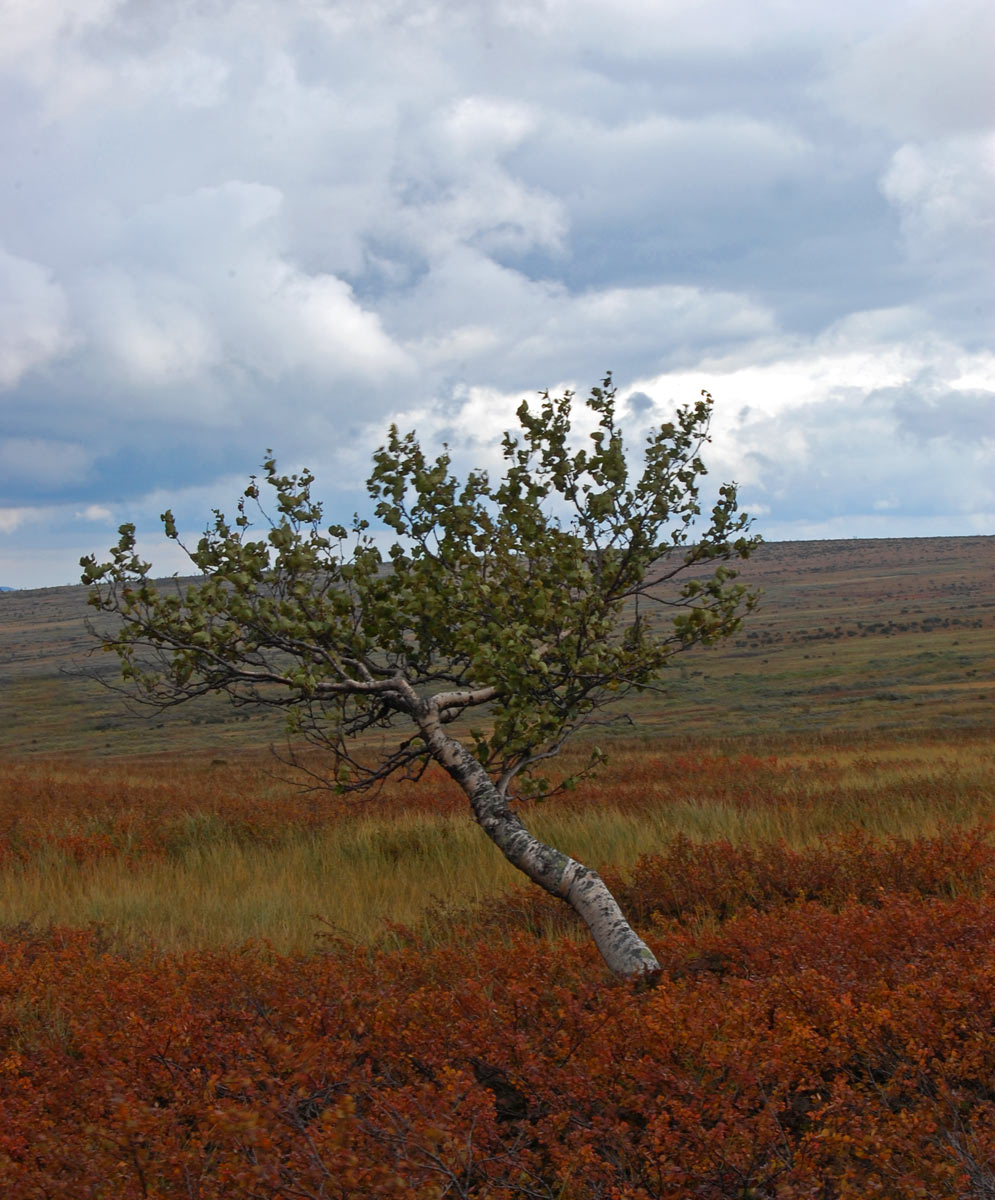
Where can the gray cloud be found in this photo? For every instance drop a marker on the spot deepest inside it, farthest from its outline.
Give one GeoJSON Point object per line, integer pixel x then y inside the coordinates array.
{"type": "Point", "coordinates": [34, 318]}
{"type": "Point", "coordinates": [926, 74]}
{"type": "Point", "coordinates": [964, 419]}
{"type": "Point", "coordinates": [234, 225]}
{"type": "Point", "coordinates": [920, 450]}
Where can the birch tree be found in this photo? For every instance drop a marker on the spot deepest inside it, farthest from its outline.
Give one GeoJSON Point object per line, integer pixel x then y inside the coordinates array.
{"type": "Point", "coordinates": [506, 616]}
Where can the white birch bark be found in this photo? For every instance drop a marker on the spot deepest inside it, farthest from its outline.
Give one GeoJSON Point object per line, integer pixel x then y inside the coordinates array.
{"type": "Point", "coordinates": [559, 874]}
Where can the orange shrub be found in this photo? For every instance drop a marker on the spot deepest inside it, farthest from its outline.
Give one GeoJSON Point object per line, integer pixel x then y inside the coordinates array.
{"type": "Point", "coordinates": [792, 1053]}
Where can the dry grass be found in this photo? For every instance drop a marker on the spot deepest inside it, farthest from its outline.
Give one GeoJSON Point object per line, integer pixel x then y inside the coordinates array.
{"type": "Point", "coordinates": [192, 854]}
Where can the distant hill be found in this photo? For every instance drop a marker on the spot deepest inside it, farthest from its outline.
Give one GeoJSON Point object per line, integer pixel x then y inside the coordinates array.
{"type": "Point", "coordinates": [850, 635]}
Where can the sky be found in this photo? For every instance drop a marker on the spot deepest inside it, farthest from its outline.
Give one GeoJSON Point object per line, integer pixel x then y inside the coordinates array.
{"type": "Point", "coordinates": [234, 225]}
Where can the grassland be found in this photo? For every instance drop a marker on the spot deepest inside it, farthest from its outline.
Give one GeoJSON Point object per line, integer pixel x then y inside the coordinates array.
{"type": "Point", "coordinates": [195, 853]}
{"type": "Point", "coordinates": [859, 696]}
{"type": "Point", "coordinates": [214, 984]}
{"type": "Point", "coordinates": [851, 635]}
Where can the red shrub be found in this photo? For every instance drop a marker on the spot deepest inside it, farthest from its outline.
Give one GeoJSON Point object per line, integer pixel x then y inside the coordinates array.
{"type": "Point", "coordinates": [794, 1053]}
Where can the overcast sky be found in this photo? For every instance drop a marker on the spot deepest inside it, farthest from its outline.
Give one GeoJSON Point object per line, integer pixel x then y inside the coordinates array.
{"type": "Point", "coordinates": [228, 225]}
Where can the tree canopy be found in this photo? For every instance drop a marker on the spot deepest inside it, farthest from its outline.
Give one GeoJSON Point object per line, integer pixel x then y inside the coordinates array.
{"type": "Point", "coordinates": [541, 596]}
{"type": "Point", "coordinates": [520, 607]}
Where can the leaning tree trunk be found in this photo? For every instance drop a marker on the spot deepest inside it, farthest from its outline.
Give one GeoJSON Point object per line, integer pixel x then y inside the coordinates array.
{"type": "Point", "coordinates": [583, 889]}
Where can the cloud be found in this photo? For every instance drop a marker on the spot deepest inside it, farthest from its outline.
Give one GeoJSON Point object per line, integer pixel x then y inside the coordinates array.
{"type": "Point", "coordinates": [517, 328]}
{"type": "Point", "coordinates": [237, 225]}
{"type": "Point", "coordinates": [925, 75]}
{"type": "Point", "coordinates": [215, 285]}
{"type": "Point", "coordinates": [817, 440]}
{"type": "Point", "coordinates": [43, 44]}
{"type": "Point", "coordinates": [45, 461]}
{"type": "Point", "coordinates": [933, 413]}
{"type": "Point", "coordinates": [639, 402]}
{"type": "Point", "coordinates": [859, 453]}
{"type": "Point", "coordinates": [150, 329]}
{"type": "Point", "coordinates": [34, 318]}
{"type": "Point", "coordinates": [95, 512]}
{"type": "Point", "coordinates": [943, 195]}
{"type": "Point", "coordinates": [13, 518]}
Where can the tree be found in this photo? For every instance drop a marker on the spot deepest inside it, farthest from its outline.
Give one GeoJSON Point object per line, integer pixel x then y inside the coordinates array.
{"type": "Point", "coordinates": [506, 617]}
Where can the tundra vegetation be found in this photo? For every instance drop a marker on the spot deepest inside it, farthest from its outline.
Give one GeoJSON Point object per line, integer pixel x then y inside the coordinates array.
{"type": "Point", "coordinates": [824, 920]}
{"type": "Point", "coordinates": [216, 985]}
{"type": "Point", "coordinates": [506, 617]}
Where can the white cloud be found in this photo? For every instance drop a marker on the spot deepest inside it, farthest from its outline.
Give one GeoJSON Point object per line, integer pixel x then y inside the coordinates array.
{"type": "Point", "coordinates": [943, 194]}
{"type": "Point", "coordinates": [670, 162]}
{"type": "Point", "coordinates": [260, 222]}
{"type": "Point", "coordinates": [864, 352]}
{"type": "Point", "coordinates": [638, 30]}
{"type": "Point", "coordinates": [313, 321]}
{"type": "Point", "coordinates": [478, 127]}
{"type": "Point", "coordinates": [974, 372]}
{"type": "Point", "coordinates": [925, 75]}
{"type": "Point", "coordinates": [828, 441]}
{"type": "Point", "coordinates": [42, 44]}
{"type": "Point", "coordinates": [34, 25]}
{"type": "Point", "coordinates": [148, 325]}
{"type": "Point", "coordinates": [188, 78]}
{"type": "Point", "coordinates": [215, 287]}
{"type": "Point", "coordinates": [13, 518]}
{"type": "Point", "coordinates": [34, 318]}
{"type": "Point", "coordinates": [490, 210]}
{"type": "Point", "coordinates": [528, 329]}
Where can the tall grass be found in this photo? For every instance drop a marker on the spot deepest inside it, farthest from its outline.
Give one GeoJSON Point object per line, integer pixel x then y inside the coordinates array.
{"type": "Point", "coordinates": [195, 854]}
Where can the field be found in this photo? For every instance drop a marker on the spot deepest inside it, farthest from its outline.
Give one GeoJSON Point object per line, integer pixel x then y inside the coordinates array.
{"type": "Point", "coordinates": [851, 635]}
{"type": "Point", "coordinates": [215, 984]}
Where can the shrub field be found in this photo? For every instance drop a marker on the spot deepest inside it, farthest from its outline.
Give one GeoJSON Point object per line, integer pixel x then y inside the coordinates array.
{"type": "Point", "coordinates": [213, 985]}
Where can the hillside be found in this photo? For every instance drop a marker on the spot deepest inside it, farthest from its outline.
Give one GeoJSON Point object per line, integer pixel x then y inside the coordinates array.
{"type": "Point", "coordinates": [851, 635]}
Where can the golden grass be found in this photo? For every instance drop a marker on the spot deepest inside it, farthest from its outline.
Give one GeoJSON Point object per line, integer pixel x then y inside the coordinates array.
{"type": "Point", "coordinates": [190, 856]}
